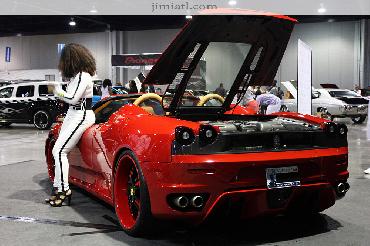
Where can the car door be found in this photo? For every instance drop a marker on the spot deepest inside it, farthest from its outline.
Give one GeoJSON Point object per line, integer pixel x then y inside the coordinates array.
{"type": "Point", "coordinates": [6, 110]}
{"type": "Point", "coordinates": [22, 103]}
{"type": "Point", "coordinates": [80, 158]}
{"type": "Point", "coordinates": [103, 139]}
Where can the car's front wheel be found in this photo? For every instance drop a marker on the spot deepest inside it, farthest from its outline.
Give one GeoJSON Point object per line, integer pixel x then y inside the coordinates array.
{"type": "Point", "coordinates": [131, 197]}
{"type": "Point", "coordinates": [42, 120]}
{"type": "Point", "coordinates": [359, 120]}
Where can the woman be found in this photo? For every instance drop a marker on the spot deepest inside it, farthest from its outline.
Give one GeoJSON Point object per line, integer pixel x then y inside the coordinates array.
{"type": "Point", "coordinates": [76, 63]}
{"type": "Point", "coordinates": [132, 87]}
{"type": "Point", "coordinates": [106, 89]}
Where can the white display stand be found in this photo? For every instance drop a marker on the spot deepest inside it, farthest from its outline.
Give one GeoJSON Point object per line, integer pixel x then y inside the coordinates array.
{"type": "Point", "coordinates": [304, 97]}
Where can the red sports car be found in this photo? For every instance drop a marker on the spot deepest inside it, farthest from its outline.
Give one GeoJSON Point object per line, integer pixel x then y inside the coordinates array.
{"type": "Point", "coordinates": [168, 157]}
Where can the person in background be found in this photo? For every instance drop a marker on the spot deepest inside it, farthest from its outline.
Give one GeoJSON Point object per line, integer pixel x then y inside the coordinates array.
{"type": "Point", "coordinates": [277, 91]}
{"type": "Point", "coordinates": [151, 89]}
{"type": "Point", "coordinates": [221, 90]}
{"type": "Point", "coordinates": [258, 91]}
{"type": "Point", "coordinates": [144, 88]}
{"type": "Point", "coordinates": [106, 89]}
{"type": "Point", "coordinates": [268, 103]}
{"type": "Point", "coordinates": [132, 87]}
{"type": "Point", "coordinates": [158, 91]}
{"type": "Point", "coordinates": [357, 89]}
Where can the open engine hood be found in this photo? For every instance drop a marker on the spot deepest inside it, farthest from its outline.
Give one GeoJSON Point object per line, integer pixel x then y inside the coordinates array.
{"type": "Point", "coordinates": [271, 33]}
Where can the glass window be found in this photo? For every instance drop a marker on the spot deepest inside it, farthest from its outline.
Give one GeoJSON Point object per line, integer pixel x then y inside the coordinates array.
{"type": "Point", "coordinates": [343, 94]}
{"type": "Point", "coordinates": [25, 91]}
{"type": "Point", "coordinates": [103, 112]}
{"type": "Point", "coordinates": [215, 72]}
{"type": "Point", "coordinates": [45, 90]}
{"type": "Point", "coordinates": [6, 92]}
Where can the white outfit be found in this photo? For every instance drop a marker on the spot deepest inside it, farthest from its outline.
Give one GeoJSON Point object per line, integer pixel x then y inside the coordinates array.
{"type": "Point", "coordinates": [104, 92]}
{"type": "Point", "coordinates": [272, 102]}
{"type": "Point", "coordinates": [77, 120]}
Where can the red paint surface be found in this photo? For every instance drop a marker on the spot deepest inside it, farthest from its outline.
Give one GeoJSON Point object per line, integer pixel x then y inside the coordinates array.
{"type": "Point", "coordinates": [222, 176]}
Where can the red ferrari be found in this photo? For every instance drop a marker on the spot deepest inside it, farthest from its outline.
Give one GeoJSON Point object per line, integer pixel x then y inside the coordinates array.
{"type": "Point", "coordinates": [172, 158]}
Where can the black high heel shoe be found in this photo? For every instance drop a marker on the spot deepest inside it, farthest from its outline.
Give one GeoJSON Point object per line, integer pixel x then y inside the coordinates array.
{"type": "Point", "coordinates": [53, 196]}
{"type": "Point", "coordinates": [62, 197]}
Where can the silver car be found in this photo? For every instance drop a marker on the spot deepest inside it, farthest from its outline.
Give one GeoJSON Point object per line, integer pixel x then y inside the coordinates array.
{"type": "Point", "coordinates": [340, 103]}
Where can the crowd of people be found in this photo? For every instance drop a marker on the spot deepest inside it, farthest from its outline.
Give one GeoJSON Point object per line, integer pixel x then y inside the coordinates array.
{"type": "Point", "coordinates": [268, 101]}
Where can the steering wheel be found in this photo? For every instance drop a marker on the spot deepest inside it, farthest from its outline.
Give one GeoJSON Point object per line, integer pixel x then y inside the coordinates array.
{"type": "Point", "coordinates": [204, 99]}
{"type": "Point", "coordinates": [147, 96]}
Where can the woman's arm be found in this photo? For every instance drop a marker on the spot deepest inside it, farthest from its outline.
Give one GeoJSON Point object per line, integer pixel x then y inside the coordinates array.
{"type": "Point", "coordinates": [73, 93]}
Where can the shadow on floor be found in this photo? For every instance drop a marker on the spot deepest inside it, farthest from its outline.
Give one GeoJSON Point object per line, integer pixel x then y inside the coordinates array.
{"type": "Point", "coordinates": [101, 217]}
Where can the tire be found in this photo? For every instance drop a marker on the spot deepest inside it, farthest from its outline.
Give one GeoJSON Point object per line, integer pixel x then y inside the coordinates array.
{"type": "Point", "coordinates": [359, 120]}
{"type": "Point", "coordinates": [131, 196]}
{"type": "Point", "coordinates": [5, 124]}
{"type": "Point", "coordinates": [42, 120]}
{"type": "Point", "coordinates": [50, 159]}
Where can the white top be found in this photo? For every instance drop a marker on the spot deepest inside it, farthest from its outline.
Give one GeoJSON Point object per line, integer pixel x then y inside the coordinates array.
{"type": "Point", "coordinates": [104, 92]}
{"type": "Point", "coordinates": [80, 87]}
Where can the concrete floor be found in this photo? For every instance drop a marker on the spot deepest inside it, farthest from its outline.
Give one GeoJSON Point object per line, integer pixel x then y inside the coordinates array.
{"type": "Point", "coordinates": [25, 219]}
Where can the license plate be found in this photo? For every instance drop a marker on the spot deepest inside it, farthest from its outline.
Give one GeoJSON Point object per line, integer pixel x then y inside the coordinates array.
{"type": "Point", "coordinates": [282, 177]}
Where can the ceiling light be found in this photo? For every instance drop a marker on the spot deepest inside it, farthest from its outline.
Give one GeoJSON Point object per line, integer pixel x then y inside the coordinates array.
{"type": "Point", "coordinates": [72, 22]}
{"type": "Point", "coordinates": [322, 9]}
{"type": "Point", "coordinates": [93, 10]}
{"type": "Point", "coordinates": [232, 2]}
{"type": "Point", "coordinates": [188, 17]}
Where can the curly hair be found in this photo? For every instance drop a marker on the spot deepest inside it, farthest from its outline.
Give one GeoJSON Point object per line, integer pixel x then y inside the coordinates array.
{"type": "Point", "coordinates": [76, 58]}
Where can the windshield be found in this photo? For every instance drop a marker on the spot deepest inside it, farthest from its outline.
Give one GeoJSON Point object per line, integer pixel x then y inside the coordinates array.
{"type": "Point", "coordinates": [343, 94]}
{"type": "Point", "coordinates": [212, 78]}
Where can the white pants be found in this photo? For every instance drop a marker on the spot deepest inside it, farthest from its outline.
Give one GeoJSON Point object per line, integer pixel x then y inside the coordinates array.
{"type": "Point", "coordinates": [74, 125]}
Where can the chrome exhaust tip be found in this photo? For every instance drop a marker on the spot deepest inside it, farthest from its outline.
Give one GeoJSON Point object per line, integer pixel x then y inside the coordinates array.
{"type": "Point", "coordinates": [181, 201]}
{"type": "Point", "coordinates": [197, 201]}
{"type": "Point", "coordinates": [341, 188]}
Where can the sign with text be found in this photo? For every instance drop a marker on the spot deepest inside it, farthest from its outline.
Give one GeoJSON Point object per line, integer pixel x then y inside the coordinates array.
{"type": "Point", "coordinates": [304, 97]}
{"type": "Point", "coordinates": [128, 60]}
{"type": "Point", "coordinates": [8, 51]}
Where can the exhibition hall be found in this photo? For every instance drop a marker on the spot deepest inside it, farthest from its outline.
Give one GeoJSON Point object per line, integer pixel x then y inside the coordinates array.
{"type": "Point", "coordinates": [223, 126]}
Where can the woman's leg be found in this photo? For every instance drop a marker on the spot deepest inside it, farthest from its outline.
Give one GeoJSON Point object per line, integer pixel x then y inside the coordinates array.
{"type": "Point", "coordinates": [67, 140]}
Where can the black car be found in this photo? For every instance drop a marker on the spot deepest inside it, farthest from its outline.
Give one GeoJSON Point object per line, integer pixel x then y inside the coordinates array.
{"type": "Point", "coordinates": [30, 102]}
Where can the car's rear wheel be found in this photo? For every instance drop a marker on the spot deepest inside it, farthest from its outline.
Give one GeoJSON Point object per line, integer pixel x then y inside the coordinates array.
{"type": "Point", "coordinates": [359, 120]}
{"type": "Point", "coordinates": [131, 197]}
{"type": "Point", "coordinates": [42, 120]}
{"type": "Point", "coordinates": [50, 159]}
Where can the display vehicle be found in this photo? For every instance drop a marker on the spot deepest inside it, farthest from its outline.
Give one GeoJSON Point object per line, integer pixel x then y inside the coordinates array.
{"type": "Point", "coordinates": [29, 102]}
{"type": "Point", "coordinates": [183, 159]}
{"type": "Point", "coordinates": [339, 103]}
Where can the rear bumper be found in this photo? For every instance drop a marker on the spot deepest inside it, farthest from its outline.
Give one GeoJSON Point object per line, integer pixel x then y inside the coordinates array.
{"type": "Point", "coordinates": [241, 179]}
